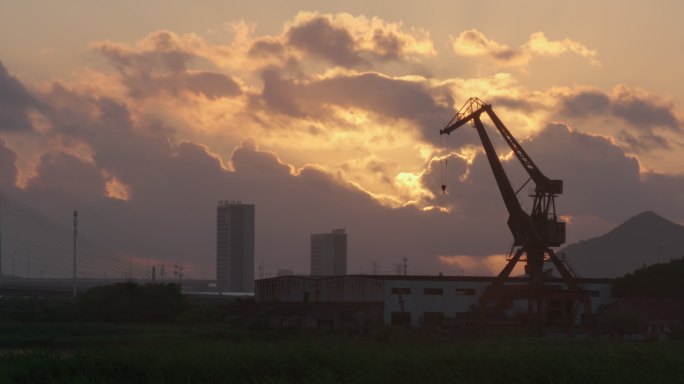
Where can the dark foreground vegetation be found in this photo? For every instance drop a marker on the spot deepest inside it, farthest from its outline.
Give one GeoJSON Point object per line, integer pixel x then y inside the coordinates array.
{"type": "Point", "coordinates": [126, 333]}
{"type": "Point", "coordinates": [121, 302]}
{"type": "Point", "coordinates": [664, 280]}
{"type": "Point", "coordinates": [119, 353]}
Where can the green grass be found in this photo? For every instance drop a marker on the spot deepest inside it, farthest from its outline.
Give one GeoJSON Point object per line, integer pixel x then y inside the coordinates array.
{"type": "Point", "coordinates": [109, 353]}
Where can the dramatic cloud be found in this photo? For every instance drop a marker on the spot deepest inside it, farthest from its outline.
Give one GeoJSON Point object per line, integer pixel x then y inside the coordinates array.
{"type": "Point", "coordinates": [160, 63]}
{"type": "Point", "coordinates": [322, 125]}
{"type": "Point", "coordinates": [640, 121]}
{"type": "Point", "coordinates": [15, 102]}
{"type": "Point", "coordinates": [480, 265]}
{"type": "Point", "coordinates": [586, 103]}
{"type": "Point", "coordinates": [319, 38]}
{"type": "Point", "coordinates": [643, 109]}
{"type": "Point", "coordinates": [473, 43]}
{"type": "Point", "coordinates": [350, 41]}
{"type": "Point", "coordinates": [600, 179]}
{"type": "Point", "coordinates": [70, 175]}
{"type": "Point", "coordinates": [8, 168]}
{"type": "Point", "coordinates": [373, 92]}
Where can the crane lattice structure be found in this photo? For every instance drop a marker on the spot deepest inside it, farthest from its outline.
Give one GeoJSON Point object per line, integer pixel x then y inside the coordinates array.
{"type": "Point", "coordinates": [534, 233]}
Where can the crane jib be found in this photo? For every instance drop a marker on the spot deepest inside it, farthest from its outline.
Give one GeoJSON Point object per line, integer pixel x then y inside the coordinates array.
{"type": "Point", "coordinates": [534, 233]}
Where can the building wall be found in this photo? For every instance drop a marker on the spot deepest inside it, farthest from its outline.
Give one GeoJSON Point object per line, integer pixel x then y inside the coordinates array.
{"type": "Point", "coordinates": [319, 290]}
{"type": "Point", "coordinates": [448, 297]}
{"type": "Point", "coordinates": [329, 253]}
{"type": "Point", "coordinates": [421, 297]}
{"type": "Point", "coordinates": [235, 247]}
{"type": "Point", "coordinates": [453, 297]}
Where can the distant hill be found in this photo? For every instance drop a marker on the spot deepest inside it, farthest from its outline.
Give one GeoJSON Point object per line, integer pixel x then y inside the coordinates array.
{"type": "Point", "coordinates": [645, 239]}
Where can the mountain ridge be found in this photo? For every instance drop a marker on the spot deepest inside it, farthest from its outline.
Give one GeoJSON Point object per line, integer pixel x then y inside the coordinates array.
{"type": "Point", "coordinates": [643, 239]}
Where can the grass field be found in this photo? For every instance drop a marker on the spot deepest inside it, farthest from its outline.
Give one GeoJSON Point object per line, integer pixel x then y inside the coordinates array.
{"type": "Point", "coordinates": [111, 353]}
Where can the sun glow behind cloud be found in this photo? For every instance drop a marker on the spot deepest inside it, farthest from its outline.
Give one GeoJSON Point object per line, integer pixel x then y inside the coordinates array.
{"type": "Point", "coordinates": [299, 114]}
{"type": "Point", "coordinates": [479, 266]}
{"type": "Point", "coordinates": [331, 110]}
{"type": "Point", "coordinates": [473, 43]}
{"type": "Point", "coordinates": [301, 95]}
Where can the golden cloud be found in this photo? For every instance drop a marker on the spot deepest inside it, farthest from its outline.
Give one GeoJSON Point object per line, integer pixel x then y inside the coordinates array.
{"type": "Point", "coordinates": [489, 265]}
{"type": "Point", "coordinates": [473, 43]}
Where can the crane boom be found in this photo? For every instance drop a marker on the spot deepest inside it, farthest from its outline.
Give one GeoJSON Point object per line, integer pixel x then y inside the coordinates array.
{"type": "Point", "coordinates": [519, 222]}
{"type": "Point", "coordinates": [534, 233]}
{"type": "Point", "coordinates": [473, 108]}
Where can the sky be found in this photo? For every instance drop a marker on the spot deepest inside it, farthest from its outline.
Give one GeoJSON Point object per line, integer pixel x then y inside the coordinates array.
{"type": "Point", "coordinates": [327, 115]}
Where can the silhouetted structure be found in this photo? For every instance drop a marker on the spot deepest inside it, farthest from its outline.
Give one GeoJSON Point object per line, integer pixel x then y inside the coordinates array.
{"type": "Point", "coordinates": [235, 246]}
{"type": "Point", "coordinates": [329, 253]}
{"type": "Point", "coordinates": [534, 234]}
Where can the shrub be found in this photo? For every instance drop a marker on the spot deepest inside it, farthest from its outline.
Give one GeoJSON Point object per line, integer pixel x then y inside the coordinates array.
{"type": "Point", "coordinates": [130, 302]}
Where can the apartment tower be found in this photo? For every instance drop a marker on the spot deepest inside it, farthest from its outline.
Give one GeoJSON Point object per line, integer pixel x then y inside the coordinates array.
{"type": "Point", "coordinates": [329, 253]}
{"type": "Point", "coordinates": [234, 246]}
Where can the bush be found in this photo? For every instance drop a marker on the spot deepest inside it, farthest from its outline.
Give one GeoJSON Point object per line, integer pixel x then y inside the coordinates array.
{"type": "Point", "coordinates": [657, 280]}
{"type": "Point", "coordinates": [130, 302]}
{"type": "Point", "coordinates": [29, 309]}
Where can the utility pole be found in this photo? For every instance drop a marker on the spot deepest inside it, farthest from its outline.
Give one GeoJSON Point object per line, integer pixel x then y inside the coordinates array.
{"type": "Point", "coordinates": [75, 234]}
{"type": "Point", "coordinates": [405, 266]}
{"type": "Point", "coordinates": [130, 268]}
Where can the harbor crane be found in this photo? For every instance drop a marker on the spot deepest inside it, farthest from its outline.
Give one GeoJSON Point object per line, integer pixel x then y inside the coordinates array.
{"type": "Point", "coordinates": [534, 234]}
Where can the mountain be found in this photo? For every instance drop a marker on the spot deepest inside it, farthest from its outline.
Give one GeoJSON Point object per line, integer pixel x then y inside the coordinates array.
{"type": "Point", "coordinates": [645, 239]}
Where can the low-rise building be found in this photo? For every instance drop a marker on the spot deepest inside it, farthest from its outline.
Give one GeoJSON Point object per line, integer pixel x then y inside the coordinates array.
{"type": "Point", "coordinates": [420, 300]}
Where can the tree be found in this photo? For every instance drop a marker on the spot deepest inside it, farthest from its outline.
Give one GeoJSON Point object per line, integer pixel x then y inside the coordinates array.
{"type": "Point", "coordinates": [658, 280]}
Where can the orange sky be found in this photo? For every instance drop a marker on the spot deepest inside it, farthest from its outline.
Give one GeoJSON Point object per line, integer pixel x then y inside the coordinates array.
{"type": "Point", "coordinates": [356, 92]}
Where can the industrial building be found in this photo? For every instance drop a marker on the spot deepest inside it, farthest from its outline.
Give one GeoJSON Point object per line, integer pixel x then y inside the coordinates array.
{"type": "Point", "coordinates": [425, 300]}
{"type": "Point", "coordinates": [234, 246]}
{"type": "Point", "coordinates": [329, 253]}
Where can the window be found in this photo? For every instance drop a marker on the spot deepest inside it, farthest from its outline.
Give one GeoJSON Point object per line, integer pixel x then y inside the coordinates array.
{"type": "Point", "coordinates": [465, 291]}
{"type": "Point", "coordinates": [401, 291]}
{"type": "Point", "coordinates": [401, 318]}
{"type": "Point", "coordinates": [433, 291]}
{"type": "Point", "coordinates": [594, 293]}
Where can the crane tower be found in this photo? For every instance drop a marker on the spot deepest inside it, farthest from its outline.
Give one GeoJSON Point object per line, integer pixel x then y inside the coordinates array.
{"type": "Point", "coordinates": [534, 234]}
